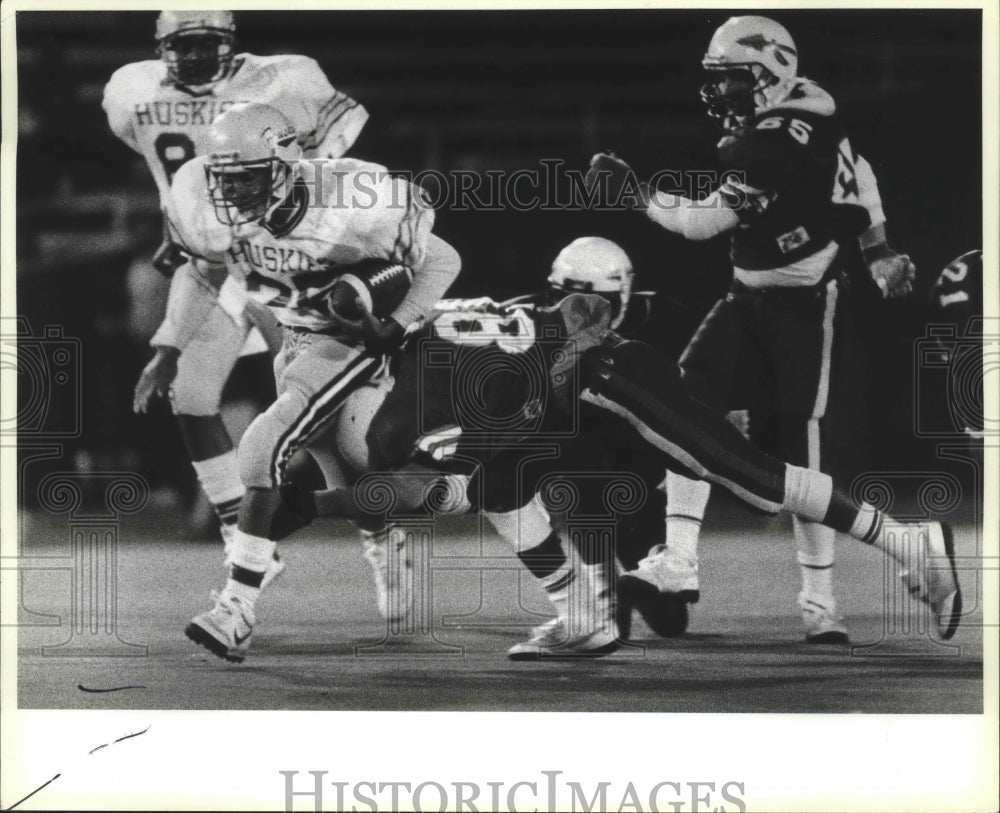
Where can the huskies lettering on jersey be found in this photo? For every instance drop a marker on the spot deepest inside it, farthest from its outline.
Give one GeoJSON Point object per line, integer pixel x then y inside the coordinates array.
{"type": "Point", "coordinates": [181, 113]}
{"type": "Point", "coordinates": [275, 259]}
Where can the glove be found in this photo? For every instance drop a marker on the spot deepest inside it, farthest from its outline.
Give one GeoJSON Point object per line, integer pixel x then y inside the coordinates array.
{"type": "Point", "coordinates": [607, 168]}
{"type": "Point", "coordinates": [377, 335]}
{"type": "Point", "coordinates": [893, 273]}
{"type": "Point", "coordinates": [156, 378]}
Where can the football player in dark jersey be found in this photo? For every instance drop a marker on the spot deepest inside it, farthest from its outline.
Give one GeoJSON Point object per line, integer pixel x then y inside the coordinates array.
{"type": "Point", "coordinates": [590, 378]}
{"type": "Point", "coordinates": [598, 265]}
{"type": "Point", "coordinates": [794, 192]}
{"type": "Point", "coordinates": [956, 312]}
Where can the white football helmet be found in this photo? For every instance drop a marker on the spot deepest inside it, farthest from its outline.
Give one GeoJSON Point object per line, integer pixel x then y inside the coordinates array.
{"type": "Point", "coordinates": [251, 154]}
{"type": "Point", "coordinates": [594, 265]}
{"type": "Point", "coordinates": [196, 45]}
{"type": "Point", "coordinates": [764, 52]}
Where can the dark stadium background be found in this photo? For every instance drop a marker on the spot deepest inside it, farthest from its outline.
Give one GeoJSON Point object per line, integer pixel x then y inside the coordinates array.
{"type": "Point", "coordinates": [480, 91]}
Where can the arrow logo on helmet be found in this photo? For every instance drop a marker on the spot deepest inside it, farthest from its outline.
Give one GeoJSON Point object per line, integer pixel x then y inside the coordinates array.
{"type": "Point", "coordinates": [759, 42]}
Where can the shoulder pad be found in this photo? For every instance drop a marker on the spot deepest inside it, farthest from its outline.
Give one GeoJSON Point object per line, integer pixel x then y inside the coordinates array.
{"type": "Point", "coordinates": [805, 97]}
{"type": "Point", "coordinates": [135, 79]}
{"type": "Point", "coordinates": [127, 85]}
{"type": "Point", "coordinates": [339, 181]}
{"type": "Point", "coordinates": [192, 217]}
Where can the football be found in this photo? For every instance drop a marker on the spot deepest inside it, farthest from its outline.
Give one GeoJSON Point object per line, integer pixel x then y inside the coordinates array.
{"type": "Point", "coordinates": [370, 286]}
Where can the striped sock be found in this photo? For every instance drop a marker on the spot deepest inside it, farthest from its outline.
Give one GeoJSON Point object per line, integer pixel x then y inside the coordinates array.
{"type": "Point", "coordinates": [867, 525]}
{"type": "Point", "coordinates": [220, 480]}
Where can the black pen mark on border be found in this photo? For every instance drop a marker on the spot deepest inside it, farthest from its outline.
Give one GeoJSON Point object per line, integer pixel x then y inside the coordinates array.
{"type": "Point", "coordinates": [126, 737]}
{"type": "Point", "coordinates": [83, 688]}
{"type": "Point", "coordinates": [91, 751]}
{"type": "Point", "coordinates": [53, 779]}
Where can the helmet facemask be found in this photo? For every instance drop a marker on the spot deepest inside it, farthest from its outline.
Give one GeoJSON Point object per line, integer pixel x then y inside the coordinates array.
{"type": "Point", "coordinates": [556, 292]}
{"type": "Point", "coordinates": [197, 57]}
{"type": "Point", "coordinates": [733, 93]}
{"type": "Point", "coordinates": [245, 191]}
{"type": "Point", "coordinates": [752, 63]}
{"type": "Point", "coordinates": [593, 265]}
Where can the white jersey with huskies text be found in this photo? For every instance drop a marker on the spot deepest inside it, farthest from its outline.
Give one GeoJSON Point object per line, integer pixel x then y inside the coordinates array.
{"type": "Point", "coordinates": [337, 212]}
{"type": "Point", "coordinates": [168, 125]}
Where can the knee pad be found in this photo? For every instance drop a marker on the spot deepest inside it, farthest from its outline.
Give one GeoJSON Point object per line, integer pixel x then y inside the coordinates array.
{"type": "Point", "coordinates": [807, 493]}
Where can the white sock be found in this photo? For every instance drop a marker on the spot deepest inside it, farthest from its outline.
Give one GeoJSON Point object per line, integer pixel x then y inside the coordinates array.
{"type": "Point", "coordinates": [597, 592]}
{"type": "Point", "coordinates": [220, 480]}
{"type": "Point", "coordinates": [903, 541]}
{"type": "Point", "coordinates": [253, 553]}
{"type": "Point", "coordinates": [686, 503]}
{"type": "Point", "coordinates": [816, 556]}
{"type": "Point", "coordinates": [525, 527]}
{"type": "Point", "coordinates": [244, 592]}
{"type": "Point", "coordinates": [557, 588]}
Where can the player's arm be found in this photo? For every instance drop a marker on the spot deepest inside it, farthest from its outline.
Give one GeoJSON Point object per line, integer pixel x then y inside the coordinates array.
{"type": "Point", "coordinates": [117, 106]}
{"type": "Point", "coordinates": [194, 293]}
{"type": "Point", "coordinates": [194, 289]}
{"type": "Point", "coordinates": [893, 273]}
{"type": "Point", "coordinates": [698, 219]}
{"type": "Point", "coordinates": [407, 222]}
{"type": "Point", "coordinates": [329, 120]}
{"type": "Point", "coordinates": [399, 231]}
{"type": "Point", "coordinates": [692, 219]}
{"type": "Point", "coordinates": [431, 280]}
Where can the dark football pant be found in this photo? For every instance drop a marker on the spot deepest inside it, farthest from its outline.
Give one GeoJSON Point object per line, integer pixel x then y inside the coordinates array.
{"type": "Point", "coordinates": [772, 352]}
{"type": "Point", "coordinates": [642, 389]}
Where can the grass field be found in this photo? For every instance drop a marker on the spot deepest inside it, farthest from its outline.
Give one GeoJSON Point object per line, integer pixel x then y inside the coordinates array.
{"type": "Point", "coordinates": [320, 644]}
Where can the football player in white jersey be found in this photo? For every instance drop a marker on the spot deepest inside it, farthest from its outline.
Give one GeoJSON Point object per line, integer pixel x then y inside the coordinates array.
{"type": "Point", "coordinates": [291, 229]}
{"type": "Point", "coordinates": [163, 109]}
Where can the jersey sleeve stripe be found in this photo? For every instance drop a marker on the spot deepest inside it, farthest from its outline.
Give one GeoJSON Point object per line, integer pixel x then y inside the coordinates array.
{"type": "Point", "coordinates": [408, 229]}
{"type": "Point", "coordinates": [332, 112]}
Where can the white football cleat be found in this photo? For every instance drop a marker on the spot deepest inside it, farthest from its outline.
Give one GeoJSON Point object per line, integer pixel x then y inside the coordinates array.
{"type": "Point", "coordinates": [936, 585]}
{"type": "Point", "coordinates": [274, 569]}
{"type": "Point", "coordinates": [224, 630]}
{"type": "Point", "coordinates": [553, 640]}
{"type": "Point", "coordinates": [588, 627]}
{"type": "Point", "coordinates": [385, 551]}
{"type": "Point", "coordinates": [823, 625]}
{"type": "Point", "coordinates": [660, 588]}
{"type": "Point", "coordinates": [550, 634]}
{"type": "Point", "coordinates": [669, 572]}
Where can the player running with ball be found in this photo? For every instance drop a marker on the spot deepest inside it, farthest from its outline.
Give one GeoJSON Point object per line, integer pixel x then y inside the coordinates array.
{"type": "Point", "coordinates": [291, 230]}
{"type": "Point", "coordinates": [163, 109]}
